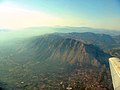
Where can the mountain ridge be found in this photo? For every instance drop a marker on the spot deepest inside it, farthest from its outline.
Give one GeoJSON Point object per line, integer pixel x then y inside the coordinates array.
{"type": "Point", "coordinates": [67, 49]}
{"type": "Point", "coordinates": [39, 60]}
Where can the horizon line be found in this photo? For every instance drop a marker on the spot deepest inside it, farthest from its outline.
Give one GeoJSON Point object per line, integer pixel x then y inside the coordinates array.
{"type": "Point", "coordinates": [59, 26]}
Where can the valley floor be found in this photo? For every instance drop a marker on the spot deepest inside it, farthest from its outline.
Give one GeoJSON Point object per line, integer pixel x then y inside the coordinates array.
{"type": "Point", "coordinates": [79, 79]}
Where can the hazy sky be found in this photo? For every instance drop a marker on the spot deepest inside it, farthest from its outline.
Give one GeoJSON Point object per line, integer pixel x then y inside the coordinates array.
{"type": "Point", "coordinates": [15, 14]}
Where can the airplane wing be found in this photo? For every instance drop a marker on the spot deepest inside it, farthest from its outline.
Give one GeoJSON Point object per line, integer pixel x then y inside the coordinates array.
{"type": "Point", "coordinates": [115, 72]}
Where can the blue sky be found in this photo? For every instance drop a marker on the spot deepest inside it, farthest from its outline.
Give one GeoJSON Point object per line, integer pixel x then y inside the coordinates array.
{"type": "Point", "coordinates": [75, 7]}
{"type": "Point", "coordinates": [90, 13]}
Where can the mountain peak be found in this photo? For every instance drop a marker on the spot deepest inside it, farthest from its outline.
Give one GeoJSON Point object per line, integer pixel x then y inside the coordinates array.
{"type": "Point", "coordinates": [72, 51]}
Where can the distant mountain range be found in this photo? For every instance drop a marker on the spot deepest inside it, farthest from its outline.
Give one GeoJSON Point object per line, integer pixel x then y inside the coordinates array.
{"type": "Point", "coordinates": [32, 31]}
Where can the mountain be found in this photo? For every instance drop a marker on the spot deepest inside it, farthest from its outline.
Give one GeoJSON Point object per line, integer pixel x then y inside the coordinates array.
{"type": "Point", "coordinates": [104, 41]}
{"type": "Point", "coordinates": [47, 60]}
{"type": "Point", "coordinates": [67, 49]}
{"type": "Point", "coordinates": [117, 38]}
{"type": "Point", "coordinates": [115, 52]}
{"type": "Point", "coordinates": [52, 50]}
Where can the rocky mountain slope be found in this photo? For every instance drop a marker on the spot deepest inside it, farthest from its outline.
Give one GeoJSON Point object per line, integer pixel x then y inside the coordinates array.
{"type": "Point", "coordinates": [103, 41]}
{"type": "Point", "coordinates": [51, 57]}
{"type": "Point", "coordinates": [55, 47]}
